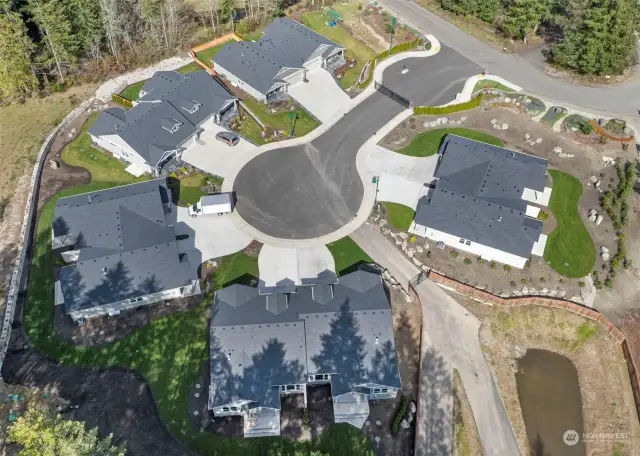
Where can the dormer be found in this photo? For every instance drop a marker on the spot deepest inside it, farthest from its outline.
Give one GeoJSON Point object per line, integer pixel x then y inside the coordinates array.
{"type": "Point", "coordinates": [189, 105]}
{"type": "Point", "coordinates": [171, 125]}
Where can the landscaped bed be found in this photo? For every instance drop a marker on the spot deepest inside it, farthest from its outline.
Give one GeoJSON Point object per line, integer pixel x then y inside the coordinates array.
{"type": "Point", "coordinates": [427, 143]}
{"type": "Point", "coordinates": [554, 114]}
{"type": "Point", "coordinates": [491, 84]}
{"type": "Point", "coordinates": [399, 216]}
{"type": "Point", "coordinates": [570, 250]}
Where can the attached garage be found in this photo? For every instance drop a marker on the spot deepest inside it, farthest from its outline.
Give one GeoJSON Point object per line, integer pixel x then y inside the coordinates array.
{"type": "Point", "coordinates": [314, 64]}
{"type": "Point", "coordinates": [295, 78]}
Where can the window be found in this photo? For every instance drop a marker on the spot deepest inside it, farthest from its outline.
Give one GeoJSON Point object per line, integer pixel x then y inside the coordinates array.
{"type": "Point", "coordinates": [234, 409]}
{"type": "Point", "coordinates": [377, 391]}
{"type": "Point", "coordinates": [384, 390]}
{"type": "Point", "coordinates": [468, 242]}
{"type": "Point", "coordinates": [225, 409]}
{"type": "Point", "coordinates": [461, 241]}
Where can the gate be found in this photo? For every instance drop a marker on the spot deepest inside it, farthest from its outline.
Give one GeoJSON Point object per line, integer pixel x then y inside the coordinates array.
{"type": "Point", "coordinates": [421, 277]}
{"type": "Point", "coordinates": [391, 94]}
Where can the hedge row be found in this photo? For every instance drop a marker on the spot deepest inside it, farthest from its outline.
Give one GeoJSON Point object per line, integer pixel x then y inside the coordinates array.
{"type": "Point", "coordinates": [121, 100]}
{"type": "Point", "coordinates": [436, 110]}
{"type": "Point", "coordinates": [402, 411]}
{"type": "Point", "coordinates": [394, 50]}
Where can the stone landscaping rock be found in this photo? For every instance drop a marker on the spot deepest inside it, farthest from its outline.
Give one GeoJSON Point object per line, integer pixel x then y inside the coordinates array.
{"type": "Point", "coordinates": [410, 418]}
{"type": "Point", "coordinates": [606, 256]}
{"type": "Point", "coordinates": [494, 121]}
{"type": "Point", "coordinates": [525, 290]}
{"type": "Point", "coordinates": [386, 231]}
{"type": "Point", "coordinates": [458, 122]}
{"type": "Point", "coordinates": [425, 268]}
{"type": "Point", "coordinates": [403, 235]}
{"type": "Point", "coordinates": [386, 275]}
{"type": "Point", "coordinates": [505, 126]}
{"type": "Point", "coordinates": [417, 262]}
{"type": "Point", "coordinates": [597, 184]}
{"type": "Point", "coordinates": [593, 179]}
{"type": "Point", "coordinates": [592, 218]}
{"type": "Point", "coordinates": [412, 407]}
{"type": "Point", "coordinates": [538, 140]}
{"type": "Point", "coordinates": [382, 222]}
{"type": "Point", "coordinates": [527, 136]}
{"type": "Point", "coordinates": [463, 118]}
{"type": "Point", "coordinates": [599, 219]}
{"type": "Point", "coordinates": [544, 291]}
{"type": "Point", "coordinates": [516, 292]}
{"type": "Point", "coordinates": [504, 295]}
{"type": "Point", "coordinates": [404, 424]}
{"type": "Point", "coordinates": [496, 126]}
{"type": "Point", "coordinates": [404, 245]}
{"type": "Point", "coordinates": [507, 100]}
{"type": "Point", "coordinates": [419, 249]}
{"type": "Point", "coordinates": [603, 249]}
{"type": "Point", "coordinates": [561, 292]}
{"type": "Point", "coordinates": [398, 241]}
{"type": "Point", "coordinates": [557, 149]}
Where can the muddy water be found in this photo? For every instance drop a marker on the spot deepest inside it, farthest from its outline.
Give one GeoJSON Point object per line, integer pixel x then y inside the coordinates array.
{"type": "Point", "coordinates": [551, 403]}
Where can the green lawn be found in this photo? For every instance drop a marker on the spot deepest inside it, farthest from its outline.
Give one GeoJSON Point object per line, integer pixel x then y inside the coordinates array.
{"type": "Point", "coordinates": [399, 215]}
{"type": "Point", "coordinates": [206, 55]}
{"type": "Point", "coordinates": [102, 167]}
{"type": "Point", "coordinates": [251, 130]}
{"type": "Point", "coordinates": [253, 36]}
{"type": "Point", "coordinates": [280, 121]}
{"type": "Point", "coordinates": [189, 189]}
{"type": "Point", "coordinates": [427, 143]}
{"type": "Point", "coordinates": [132, 92]}
{"type": "Point", "coordinates": [339, 34]}
{"type": "Point", "coordinates": [190, 68]}
{"type": "Point", "coordinates": [570, 250]}
{"type": "Point", "coordinates": [347, 255]}
{"type": "Point", "coordinates": [169, 353]}
{"type": "Point", "coordinates": [488, 83]}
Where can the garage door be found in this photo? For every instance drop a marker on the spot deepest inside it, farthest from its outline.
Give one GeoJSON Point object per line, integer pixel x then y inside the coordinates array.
{"type": "Point", "coordinates": [314, 64]}
{"type": "Point", "coordinates": [295, 77]}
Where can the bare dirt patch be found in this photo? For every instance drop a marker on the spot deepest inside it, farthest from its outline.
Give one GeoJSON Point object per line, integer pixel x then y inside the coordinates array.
{"type": "Point", "coordinates": [361, 29]}
{"type": "Point", "coordinates": [607, 400]}
{"type": "Point", "coordinates": [467, 440]}
{"type": "Point", "coordinates": [379, 22]}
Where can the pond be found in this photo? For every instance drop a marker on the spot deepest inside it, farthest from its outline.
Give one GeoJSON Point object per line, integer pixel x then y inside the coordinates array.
{"type": "Point", "coordinates": [551, 403]}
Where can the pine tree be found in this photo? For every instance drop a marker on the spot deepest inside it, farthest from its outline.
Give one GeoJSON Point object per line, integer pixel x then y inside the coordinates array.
{"type": "Point", "coordinates": [17, 76]}
{"type": "Point", "coordinates": [523, 17]}
{"type": "Point", "coordinates": [598, 39]}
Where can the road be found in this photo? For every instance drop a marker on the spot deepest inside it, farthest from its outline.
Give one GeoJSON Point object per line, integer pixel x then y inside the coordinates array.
{"type": "Point", "coordinates": [619, 99]}
{"type": "Point", "coordinates": [449, 340]}
{"type": "Point", "coordinates": [311, 190]}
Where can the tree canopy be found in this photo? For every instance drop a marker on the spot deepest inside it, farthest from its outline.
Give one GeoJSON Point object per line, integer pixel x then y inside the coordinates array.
{"type": "Point", "coordinates": [41, 433]}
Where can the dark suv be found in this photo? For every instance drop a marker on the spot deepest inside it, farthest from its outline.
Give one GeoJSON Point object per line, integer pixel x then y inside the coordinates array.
{"type": "Point", "coordinates": [228, 138]}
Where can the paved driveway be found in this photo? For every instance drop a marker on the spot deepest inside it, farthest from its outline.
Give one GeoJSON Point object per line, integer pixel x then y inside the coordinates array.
{"type": "Point", "coordinates": [213, 156]}
{"type": "Point", "coordinates": [449, 339]}
{"type": "Point", "coordinates": [207, 236]}
{"type": "Point", "coordinates": [312, 190]}
{"type": "Point", "coordinates": [321, 96]}
{"type": "Point", "coordinates": [282, 265]}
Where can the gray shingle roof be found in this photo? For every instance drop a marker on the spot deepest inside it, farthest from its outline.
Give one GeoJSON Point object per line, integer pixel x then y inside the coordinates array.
{"type": "Point", "coordinates": [284, 44]}
{"type": "Point", "coordinates": [312, 333]}
{"type": "Point", "coordinates": [478, 195]}
{"type": "Point", "coordinates": [126, 248]}
{"type": "Point", "coordinates": [170, 98]}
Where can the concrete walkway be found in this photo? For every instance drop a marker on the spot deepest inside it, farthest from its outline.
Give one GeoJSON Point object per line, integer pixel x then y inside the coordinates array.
{"type": "Point", "coordinates": [449, 340]}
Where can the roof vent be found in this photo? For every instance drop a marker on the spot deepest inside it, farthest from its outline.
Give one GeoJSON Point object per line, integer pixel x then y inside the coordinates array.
{"type": "Point", "coordinates": [377, 340]}
{"type": "Point", "coordinates": [500, 218]}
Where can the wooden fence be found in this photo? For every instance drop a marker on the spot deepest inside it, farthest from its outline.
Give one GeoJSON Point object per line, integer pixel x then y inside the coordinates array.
{"type": "Point", "coordinates": [215, 42]}
{"type": "Point", "coordinates": [542, 301]}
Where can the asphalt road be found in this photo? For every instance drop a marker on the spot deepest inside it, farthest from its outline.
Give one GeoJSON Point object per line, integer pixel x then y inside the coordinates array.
{"type": "Point", "coordinates": [521, 70]}
{"type": "Point", "coordinates": [449, 340]}
{"type": "Point", "coordinates": [311, 190]}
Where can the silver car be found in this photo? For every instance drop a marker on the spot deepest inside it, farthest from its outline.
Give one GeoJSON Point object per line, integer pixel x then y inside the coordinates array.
{"type": "Point", "coordinates": [228, 138]}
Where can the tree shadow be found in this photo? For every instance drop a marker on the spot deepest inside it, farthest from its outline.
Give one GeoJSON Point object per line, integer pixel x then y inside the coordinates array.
{"type": "Point", "coordinates": [245, 279]}
{"type": "Point", "coordinates": [434, 407]}
{"type": "Point", "coordinates": [537, 447]}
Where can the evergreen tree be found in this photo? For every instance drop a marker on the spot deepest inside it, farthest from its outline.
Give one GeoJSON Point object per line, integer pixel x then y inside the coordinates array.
{"type": "Point", "coordinates": [599, 39]}
{"type": "Point", "coordinates": [483, 9]}
{"type": "Point", "coordinates": [523, 17]}
{"type": "Point", "coordinates": [16, 50]}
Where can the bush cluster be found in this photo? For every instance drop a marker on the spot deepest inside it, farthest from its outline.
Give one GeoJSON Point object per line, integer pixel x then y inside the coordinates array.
{"type": "Point", "coordinates": [121, 100]}
{"type": "Point", "coordinates": [402, 411]}
{"type": "Point", "coordinates": [437, 110]}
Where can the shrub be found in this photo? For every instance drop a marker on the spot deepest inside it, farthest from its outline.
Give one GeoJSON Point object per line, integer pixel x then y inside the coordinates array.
{"type": "Point", "coordinates": [628, 263]}
{"type": "Point", "coordinates": [359, 6]}
{"type": "Point", "coordinates": [305, 417]}
{"type": "Point", "coordinates": [586, 128]}
{"type": "Point", "coordinates": [492, 265]}
{"type": "Point", "coordinates": [480, 261]}
{"type": "Point", "coordinates": [412, 239]}
{"type": "Point", "coordinates": [506, 267]}
{"type": "Point", "coordinates": [428, 253]}
{"type": "Point", "coordinates": [602, 140]}
{"type": "Point", "coordinates": [454, 254]}
{"type": "Point", "coordinates": [512, 283]}
{"type": "Point", "coordinates": [468, 261]}
{"type": "Point", "coordinates": [523, 281]}
{"type": "Point", "coordinates": [581, 284]}
{"type": "Point", "coordinates": [121, 100]}
{"type": "Point", "coordinates": [402, 410]}
{"type": "Point", "coordinates": [542, 215]}
{"type": "Point", "coordinates": [625, 146]}
{"type": "Point", "coordinates": [543, 280]}
{"type": "Point", "coordinates": [598, 284]}
{"type": "Point", "coordinates": [608, 282]}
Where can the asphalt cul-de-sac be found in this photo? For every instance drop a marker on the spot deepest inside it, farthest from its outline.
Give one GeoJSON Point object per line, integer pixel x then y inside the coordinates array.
{"type": "Point", "coordinates": [311, 190]}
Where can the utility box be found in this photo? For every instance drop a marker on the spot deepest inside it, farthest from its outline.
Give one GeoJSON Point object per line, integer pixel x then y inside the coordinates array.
{"type": "Point", "coordinates": [221, 203]}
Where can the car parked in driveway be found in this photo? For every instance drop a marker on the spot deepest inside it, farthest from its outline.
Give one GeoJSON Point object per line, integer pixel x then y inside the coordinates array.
{"type": "Point", "coordinates": [231, 139]}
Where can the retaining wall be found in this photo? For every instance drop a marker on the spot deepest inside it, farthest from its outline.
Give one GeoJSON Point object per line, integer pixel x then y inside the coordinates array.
{"type": "Point", "coordinates": [27, 226]}
{"type": "Point", "coordinates": [486, 297]}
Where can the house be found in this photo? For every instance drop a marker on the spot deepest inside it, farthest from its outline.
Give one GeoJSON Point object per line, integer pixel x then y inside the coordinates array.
{"type": "Point", "coordinates": [281, 57]}
{"type": "Point", "coordinates": [172, 111]}
{"type": "Point", "coordinates": [484, 201]}
{"type": "Point", "coordinates": [265, 346]}
{"type": "Point", "coordinates": [119, 250]}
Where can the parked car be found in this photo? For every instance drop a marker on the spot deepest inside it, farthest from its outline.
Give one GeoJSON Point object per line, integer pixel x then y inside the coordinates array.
{"type": "Point", "coordinates": [228, 138]}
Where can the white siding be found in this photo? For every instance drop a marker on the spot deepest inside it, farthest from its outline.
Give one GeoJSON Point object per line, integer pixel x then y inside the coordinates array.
{"type": "Point", "coordinates": [314, 64]}
{"type": "Point", "coordinates": [483, 251]}
{"type": "Point", "coordinates": [295, 78]}
{"type": "Point", "coordinates": [225, 410]}
{"type": "Point", "coordinates": [234, 80]}
{"type": "Point", "coordinates": [114, 307]}
{"type": "Point", "coordinates": [122, 150]}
